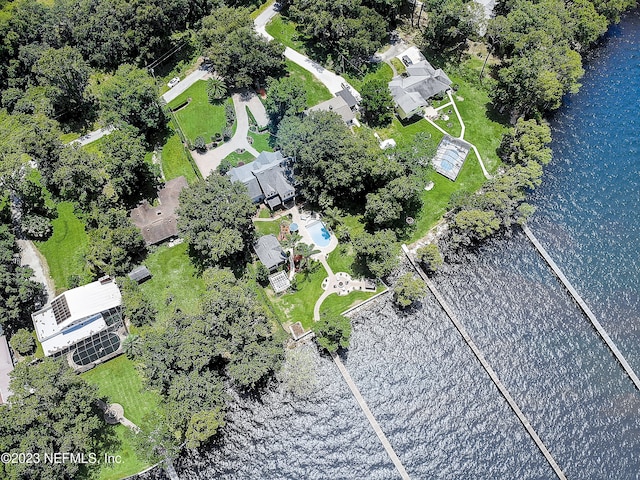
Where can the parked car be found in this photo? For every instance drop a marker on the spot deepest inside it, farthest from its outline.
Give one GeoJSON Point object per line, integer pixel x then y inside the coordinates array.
{"type": "Point", "coordinates": [406, 60]}
{"type": "Point", "coordinates": [173, 82]}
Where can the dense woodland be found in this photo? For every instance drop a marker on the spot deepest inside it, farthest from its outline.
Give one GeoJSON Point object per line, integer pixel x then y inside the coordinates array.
{"type": "Point", "coordinates": [68, 64]}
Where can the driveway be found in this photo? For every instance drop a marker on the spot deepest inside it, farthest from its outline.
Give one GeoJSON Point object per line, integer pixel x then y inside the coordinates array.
{"type": "Point", "coordinates": [207, 162]}
{"type": "Point", "coordinates": [92, 136]}
{"type": "Point", "coordinates": [330, 80]}
{"type": "Point", "coordinates": [200, 74]}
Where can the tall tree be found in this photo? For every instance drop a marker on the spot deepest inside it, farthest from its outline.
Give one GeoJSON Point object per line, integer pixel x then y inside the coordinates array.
{"type": "Point", "coordinates": [378, 251]}
{"type": "Point", "coordinates": [52, 410]}
{"type": "Point", "coordinates": [215, 218]}
{"type": "Point", "coordinates": [285, 96]}
{"type": "Point", "coordinates": [333, 332]}
{"type": "Point", "coordinates": [129, 96]}
{"type": "Point", "coordinates": [377, 103]}
{"type": "Point", "coordinates": [65, 75]}
{"type": "Point", "coordinates": [451, 23]}
{"type": "Point", "coordinates": [408, 289]}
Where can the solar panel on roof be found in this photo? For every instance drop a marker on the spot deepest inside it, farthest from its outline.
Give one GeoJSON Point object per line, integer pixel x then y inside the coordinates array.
{"type": "Point", "coordinates": [60, 309]}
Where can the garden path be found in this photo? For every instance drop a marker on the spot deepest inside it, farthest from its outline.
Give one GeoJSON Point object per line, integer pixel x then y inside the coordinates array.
{"type": "Point", "coordinates": [207, 162]}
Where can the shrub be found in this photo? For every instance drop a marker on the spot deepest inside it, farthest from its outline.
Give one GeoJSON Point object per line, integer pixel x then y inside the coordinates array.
{"type": "Point", "coordinates": [407, 290]}
{"type": "Point", "coordinates": [430, 257]}
{"type": "Point", "coordinates": [23, 342]}
{"type": "Point", "coordinates": [333, 331]}
{"type": "Point", "coordinates": [200, 144]}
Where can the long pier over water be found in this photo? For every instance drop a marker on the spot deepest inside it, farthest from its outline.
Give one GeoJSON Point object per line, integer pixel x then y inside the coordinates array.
{"type": "Point", "coordinates": [585, 308]}
{"type": "Point", "coordinates": [492, 374]}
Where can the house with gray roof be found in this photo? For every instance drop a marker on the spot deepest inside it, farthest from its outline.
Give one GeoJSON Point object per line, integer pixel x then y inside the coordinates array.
{"type": "Point", "coordinates": [268, 179]}
{"type": "Point", "coordinates": [337, 105]}
{"type": "Point", "coordinates": [411, 91]}
{"type": "Point", "coordinates": [270, 252]}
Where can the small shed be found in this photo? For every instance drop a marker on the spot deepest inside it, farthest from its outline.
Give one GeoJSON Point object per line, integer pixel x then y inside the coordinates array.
{"type": "Point", "coordinates": [140, 274]}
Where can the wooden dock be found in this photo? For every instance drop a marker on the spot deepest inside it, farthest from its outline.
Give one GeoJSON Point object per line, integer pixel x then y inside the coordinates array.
{"type": "Point", "coordinates": [492, 374]}
{"type": "Point", "coordinates": [372, 420]}
{"type": "Point", "coordinates": [585, 308]}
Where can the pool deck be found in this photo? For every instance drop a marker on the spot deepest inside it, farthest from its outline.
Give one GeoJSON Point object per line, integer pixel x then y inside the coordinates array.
{"type": "Point", "coordinates": [305, 218]}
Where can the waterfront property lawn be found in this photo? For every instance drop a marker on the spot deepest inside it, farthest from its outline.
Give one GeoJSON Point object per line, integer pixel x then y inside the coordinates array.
{"type": "Point", "coordinates": [262, 142]}
{"type": "Point", "coordinates": [335, 305]}
{"type": "Point", "coordinates": [452, 125]}
{"type": "Point", "coordinates": [316, 91]}
{"type": "Point", "coordinates": [199, 118]}
{"type": "Point", "coordinates": [268, 228]}
{"type": "Point", "coordinates": [119, 381]}
{"type": "Point", "coordinates": [175, 283]}
{"type": "Point", "coordinates": [130, 464]}
{"type": "Point", "coordinates": [65, 248]}
{"type": "Point", "coordinates": [298, 306]}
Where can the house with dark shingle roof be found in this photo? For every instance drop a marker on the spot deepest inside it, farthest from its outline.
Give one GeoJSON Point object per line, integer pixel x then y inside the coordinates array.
{"type": "Point", "coordinates": [270, 252]}
{"type": "Point", "coordinates": [267, 178]}
{"type": "Point", "coordinates": [160, 223]}
{"type": "Point", "coordinates": [411, 91]}
{"type": "Point", "coordinates": [336, 105]}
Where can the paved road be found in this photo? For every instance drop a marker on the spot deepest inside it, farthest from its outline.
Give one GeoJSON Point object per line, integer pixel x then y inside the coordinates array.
{"type": "Point", "coordinates": [209, 161]}
{"type": "Point", "coordinates": [92, 136]}
{"type": "Point", "coordinates": [332, 81]}
{"type": "Point", "coordinates": [200, 74]}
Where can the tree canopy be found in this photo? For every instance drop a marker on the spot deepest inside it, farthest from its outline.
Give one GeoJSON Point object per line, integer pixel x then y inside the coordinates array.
{"type": "Point", "coordinates": [52, 410]}
{"type": "Point", "coordinates": [377, 103]}
{"type": "Point", "coordinates": [408, 289]}
{"type": "Point", "coordinates": [215, 218]}
{"type": "Point", "coordinates": [333, 331]}
{"type": "Point", "coordinates": [285, 96]}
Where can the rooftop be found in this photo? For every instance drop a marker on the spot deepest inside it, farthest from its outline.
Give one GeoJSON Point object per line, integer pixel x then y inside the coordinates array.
{"type": "Point", "coordinates": [420, 83]}
{"type": "Point", "coordinates": [160, 223]}
{"type": "Point", "coordinates": [269, 251]}
{"type": "Point", "coordinates": [337, 105]}
{"type": "Point", "coordinates": [75, 314]}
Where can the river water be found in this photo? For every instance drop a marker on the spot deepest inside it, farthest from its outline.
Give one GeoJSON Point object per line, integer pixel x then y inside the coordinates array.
{"type": "Point", "coordinates": [443, 416]}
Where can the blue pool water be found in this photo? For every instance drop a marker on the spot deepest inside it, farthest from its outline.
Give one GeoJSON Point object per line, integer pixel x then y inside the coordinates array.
{"type": "Point", "coordinates": [319, 233]}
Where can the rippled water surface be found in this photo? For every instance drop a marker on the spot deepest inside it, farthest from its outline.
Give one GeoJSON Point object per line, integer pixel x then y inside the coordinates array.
{"type": "Point", "coordinates": [437, 406]}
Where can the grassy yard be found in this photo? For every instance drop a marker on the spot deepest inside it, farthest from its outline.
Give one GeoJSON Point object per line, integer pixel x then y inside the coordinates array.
{"type": "Point", "coordinates": [267, 228]}
{"type": "Point", "coordinates": [69, 137]}
{"type": "Point", "coordinates": [65, 248]}
{"type": "Point", "coordinates": [452, 125]}
{"type": "Point", "coordinates": [378, 71]}
{"type": "Point", "coordinates": [398, 65]}
{"type": "Point", "coordinates": [174, 277]}
{"type": "Point", "coordinates": [298, 306]}
{"type": "Point", "coordinates": [95, 146]}
{"type": "Point", "coordinates": [199, 117]}
{"type": "Point", "coordinates": [316, 91]}
{"type": "Point", "coordinates": [285, 32]}
{"type": "Point", "coordinates": [262, 142]}
{"type": "Point", "coordinates": [119, 381]}
{"type": "Point", "coordinates": [335, 305]}
{"type": "Point", "coordinates": [235, 158]}
{"type": "Point", "coordinates": [175, 160]}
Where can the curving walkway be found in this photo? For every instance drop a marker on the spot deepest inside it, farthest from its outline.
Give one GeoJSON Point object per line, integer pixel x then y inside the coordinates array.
{"type": "Point", "coordinates": [207, 162]}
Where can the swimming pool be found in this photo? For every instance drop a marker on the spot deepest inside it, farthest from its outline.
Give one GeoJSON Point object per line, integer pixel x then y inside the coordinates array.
{"type": "Point", "coordinates": [319, 234]}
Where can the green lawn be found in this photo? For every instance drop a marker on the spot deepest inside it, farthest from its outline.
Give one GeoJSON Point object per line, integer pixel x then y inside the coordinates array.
{"type": "Point", "coordinates": [452, 125]}
{"type": "Point", "coordinates": [175, 283]}
{"type": "Point", "coordinates": [69, 137]}
{"type": "Point", "coordinates": [316, 91]}
{"type": "Point", "coordinates": [262, 141]}
{"type": "Point", "coordinates": [378, 71]}
{"type": "Point", "coordinates": [264, 213]}
{"type": "Point", "coordinates": [335, 305]}
{"type": "Point", "coordinates": [65, 248]}
{"type": "Point", "coordinates": [175, 160]}
{"type": "Point", "coordinates": [399, 66]}
{"type": "Point", "coordinates": [285, 32]}
{"type": "Point", "coordinates": [298, 306]}
{"type": "Point", "coordinates": [119, 381]}
{"type": "Point", "coordinates": [199, 118]}
{"type": "Point", "coordinates": [267, 228]}
{"type": "Point", "coordinates": [95, 146]}
{"type": "Point", "coordinates": [130, 464]}
{"type": "Point", "coordinates": [235, 158]}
